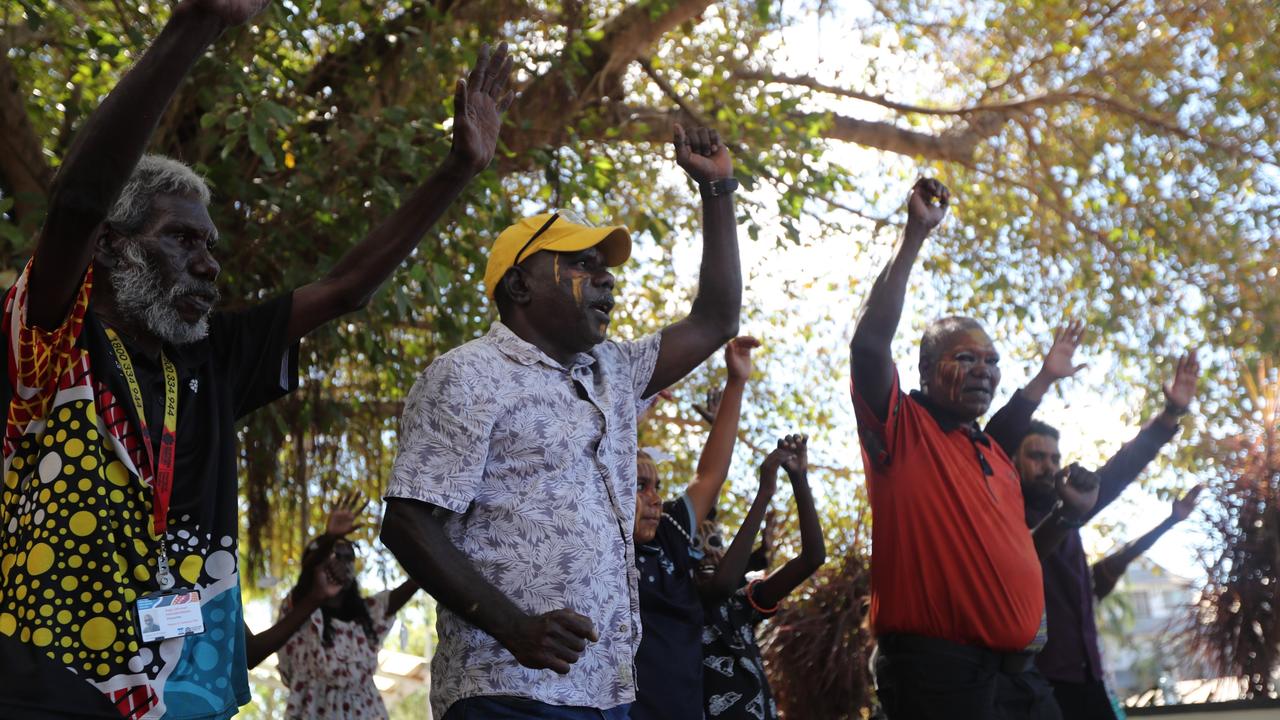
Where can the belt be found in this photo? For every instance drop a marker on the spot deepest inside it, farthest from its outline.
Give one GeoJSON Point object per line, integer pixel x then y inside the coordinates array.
{"type": "Point", "coordinates": [1010, 663]}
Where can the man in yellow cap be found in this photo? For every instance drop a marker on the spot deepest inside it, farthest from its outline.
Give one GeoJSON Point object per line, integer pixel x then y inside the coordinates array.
{"type": "Point", "coordinates": [512, 500]}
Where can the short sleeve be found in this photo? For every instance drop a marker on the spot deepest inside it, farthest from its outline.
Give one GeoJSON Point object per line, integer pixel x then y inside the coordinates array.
{"type": "Point", "coordinates": [303, 656]}
{"type": "Point", "coordinates": [444, 436]}
{"type": "Point", "coordinates": [641, 356]}
{"type": "Point", "coordinates": [382, 622]}
{"type": "Point", "coordinates": [681, 510]}
{"type": "Point", "coordinates": [36, 357]}
{"type": "Point", "coordinates": [878, 437]}
{"type": "Point", "coordinates": [253, 348]}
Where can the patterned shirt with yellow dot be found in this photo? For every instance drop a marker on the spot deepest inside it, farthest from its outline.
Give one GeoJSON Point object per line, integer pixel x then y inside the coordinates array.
{"type": "Point", "coordinates": [77, 546]}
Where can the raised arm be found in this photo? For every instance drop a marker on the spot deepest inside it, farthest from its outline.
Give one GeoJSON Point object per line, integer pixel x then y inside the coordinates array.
{"type": "Point", "coordinates": [813, 547]}
{"type": "Point", "coordinates": [869, 351]}
{"type": "Point", "coordinates": [414, 533]}
{"type": "Point", "coordinates": [1009, 425]}
{"type": "Point", "coordinates": [1107, 572]}
{"type": "Point", "coordinates": [713, 319]}
{"type": "Point", "coordinates": [713, 464]}
{"type": "Point", "coordinates": [734, 563]}
{"type": "Point", "coordinates": [478, 104]}
{"type": "Point", "coordinates": [108, 147]}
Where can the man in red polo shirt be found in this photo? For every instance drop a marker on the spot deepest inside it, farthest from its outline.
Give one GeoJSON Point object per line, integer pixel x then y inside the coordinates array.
{"type": "Point", "coordinates": [956, 595]}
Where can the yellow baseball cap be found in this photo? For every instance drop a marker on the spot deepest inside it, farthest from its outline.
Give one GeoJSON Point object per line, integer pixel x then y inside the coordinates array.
{"type": "Point", "coordinates": [561, 231]}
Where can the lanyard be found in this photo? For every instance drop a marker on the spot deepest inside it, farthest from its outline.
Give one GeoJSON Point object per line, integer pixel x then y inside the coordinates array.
{"type": "Point", "coordinates": [161, 467]}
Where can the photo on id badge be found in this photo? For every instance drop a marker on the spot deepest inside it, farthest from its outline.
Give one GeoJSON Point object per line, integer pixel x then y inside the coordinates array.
{"type": "Point", "coordinates": [167, 615]}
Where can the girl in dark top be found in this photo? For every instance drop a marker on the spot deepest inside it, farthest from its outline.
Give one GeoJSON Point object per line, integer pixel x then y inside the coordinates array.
{"type": "Point", "coordinates": [669, 662]}
{"type": "Point", "coordinates": [733, 680]}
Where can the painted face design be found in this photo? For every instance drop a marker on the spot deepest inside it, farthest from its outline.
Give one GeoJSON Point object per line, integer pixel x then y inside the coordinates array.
{"type": "Point", "coordinates": [966, 374]}
{"type": "Point", "coordinates": [589, 285]}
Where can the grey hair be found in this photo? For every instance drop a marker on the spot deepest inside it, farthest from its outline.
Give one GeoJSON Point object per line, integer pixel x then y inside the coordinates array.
{"type": "Point", "coordinates": [154, 175]}
{"type": "Point", "coordinates": [937, 333]}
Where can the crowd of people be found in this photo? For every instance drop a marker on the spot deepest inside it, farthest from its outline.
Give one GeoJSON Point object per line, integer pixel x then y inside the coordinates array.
{"type": "Point", "coordinates": [568, 584]}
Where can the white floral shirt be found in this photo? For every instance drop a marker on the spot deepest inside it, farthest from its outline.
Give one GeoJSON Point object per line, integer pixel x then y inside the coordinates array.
{"type": "Point", "coordinates": [335, 682]}
{"type": "Point", "coordinates": [537, 464]}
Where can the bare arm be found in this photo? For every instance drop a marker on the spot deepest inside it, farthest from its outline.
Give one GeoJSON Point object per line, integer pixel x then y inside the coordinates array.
{"type": "Point", "coordinates": [813, 547]}
{"type": "Point", "coordinates": [713, 464]}
{"type": "Point", "coordinates": [734, 563]}
{"type": "Point", "coordinates": [108, 147]}
{"type": "Point", "coordinates": [479, 103]}
{"type": "Point", "coordinates": [713, 318]}
{"type": "Point", "coordinates": [415, 535]}
{"type": "Point", "coordinates": [870, 352]}
{"type": "Point", "coordinates": [400, 596]}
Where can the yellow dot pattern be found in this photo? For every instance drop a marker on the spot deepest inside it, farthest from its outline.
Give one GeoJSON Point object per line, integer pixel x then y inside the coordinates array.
{"type": "Point", "coordinates": [73, 551]}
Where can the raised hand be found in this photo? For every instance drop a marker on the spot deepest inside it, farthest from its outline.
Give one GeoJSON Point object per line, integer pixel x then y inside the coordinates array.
{"type": "Point", "coordinates": [701, 154]}
{"type": "Point", "coordinates": [928, 204]}
{"type": "Point", "coordinates": [1179, 391]}
{"type": "Point", "coordinates": [1078, 489]}
{"type": "Point", "coordinates": [553, 640]}
{"type": "Point", "coordinates": [1058, 361]}
{"type": "Point", "coordinates": [343, 516]}
{"type": "Point", "coordinates": [1183, 506]}
{"type": "Point", "coordinates": [479, 100]}
{"type": "Point", "coordinates": [769, 468]}
{"type": "Point", "coordinates": [232, 12]}
{"type": "Point", "coordinates": [796, 461]}
{"type": "Point", "coordinates": [737, 357]}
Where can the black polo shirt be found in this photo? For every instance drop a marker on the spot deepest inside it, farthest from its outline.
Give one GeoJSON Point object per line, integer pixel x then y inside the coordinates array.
{"type": "Point", "coordinates": [669, 664]}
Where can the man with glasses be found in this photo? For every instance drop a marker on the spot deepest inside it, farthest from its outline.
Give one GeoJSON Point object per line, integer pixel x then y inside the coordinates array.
{"type": "Point", "coordinates": [513, 497]}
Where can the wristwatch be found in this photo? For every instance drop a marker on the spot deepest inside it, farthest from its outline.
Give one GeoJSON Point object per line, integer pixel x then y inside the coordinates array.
{"type": "Point", "coordinates": [718, 188]}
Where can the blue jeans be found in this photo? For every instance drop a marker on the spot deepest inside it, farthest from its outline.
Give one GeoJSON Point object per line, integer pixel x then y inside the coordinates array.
{"type": "Point", "coordinates": [515, 708]}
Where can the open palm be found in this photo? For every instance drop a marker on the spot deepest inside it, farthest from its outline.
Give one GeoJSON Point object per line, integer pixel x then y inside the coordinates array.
{"type": "Point", "coordinates": [478, 104]}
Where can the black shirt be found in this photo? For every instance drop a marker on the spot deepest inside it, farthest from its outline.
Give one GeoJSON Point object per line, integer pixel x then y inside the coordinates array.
{"type": "Point", "coordinates": [669, 664]}
{"type": "Point", "coordinates": [733, 678]}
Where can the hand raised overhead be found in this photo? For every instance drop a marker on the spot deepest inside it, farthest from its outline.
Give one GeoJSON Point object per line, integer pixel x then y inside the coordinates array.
{"type": "Point", "coordinates": [479, 101]}
{"type": "Point", "coordinates": [343, 516]}
{"type": "Point", "coordinates": [737, 357]}
{"type": "Point", "coordinates": [701, 154]}
{"type": "Point", "coordinates": [1183, 506]}
{"type": "Point", "coordinates": [1179, 391]}
{"type": "Point", "coordinates": [1058, 361]}
{"type": "Point", "coordinates": [232, 12]}
{"type": "Point", "coordinates": [928, 203]}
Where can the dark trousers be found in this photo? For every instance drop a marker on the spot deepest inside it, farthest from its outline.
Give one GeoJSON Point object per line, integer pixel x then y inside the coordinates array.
{"type": "Point", "coordinates": [1083, 701]}
{"type": "Point", "coordinates": [514, 708]}
{"type": "Point", "coordinates": [919, 678]}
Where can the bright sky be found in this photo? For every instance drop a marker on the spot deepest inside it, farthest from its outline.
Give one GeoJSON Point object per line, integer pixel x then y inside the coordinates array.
{"type": "Point", "coordinates": [1093, 424]}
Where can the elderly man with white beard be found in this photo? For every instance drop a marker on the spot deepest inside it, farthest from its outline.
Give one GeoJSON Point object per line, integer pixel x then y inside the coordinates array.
{"type": "Point", "coordinates": [119, 590]}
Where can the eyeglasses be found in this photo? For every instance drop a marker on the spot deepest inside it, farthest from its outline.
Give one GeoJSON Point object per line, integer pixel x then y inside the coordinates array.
{"type": "Point", "coordinates": [569, 215]}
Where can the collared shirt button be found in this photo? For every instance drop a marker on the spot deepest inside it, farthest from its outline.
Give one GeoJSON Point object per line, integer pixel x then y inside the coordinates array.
{"type": "Point", "coordinates": [623, 628]}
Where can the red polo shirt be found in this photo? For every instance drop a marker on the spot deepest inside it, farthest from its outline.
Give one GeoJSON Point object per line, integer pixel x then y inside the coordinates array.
{"type": "Point", "coordinates": [951, 555]}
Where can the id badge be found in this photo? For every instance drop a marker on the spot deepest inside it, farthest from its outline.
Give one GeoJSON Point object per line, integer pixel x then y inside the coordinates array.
{"type": "Point", "coordinates": [171, 614]}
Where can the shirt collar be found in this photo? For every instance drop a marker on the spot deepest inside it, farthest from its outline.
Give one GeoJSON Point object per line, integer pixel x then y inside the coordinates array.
{"type": "Point", "coordinates": [526, 353]}
{"type": "Point", "coordinates": [947, 421]}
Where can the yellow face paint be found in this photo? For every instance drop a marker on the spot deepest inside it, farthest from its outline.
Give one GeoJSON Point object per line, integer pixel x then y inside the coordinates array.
{"type": "Point", "coordinates": [555, 268]}
{"type": "Point", "coordinates": [577, 282]}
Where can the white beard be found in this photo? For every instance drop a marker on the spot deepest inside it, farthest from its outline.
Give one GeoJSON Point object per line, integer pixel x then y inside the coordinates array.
{"type": "Point", "coordinates": [141, 297]}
